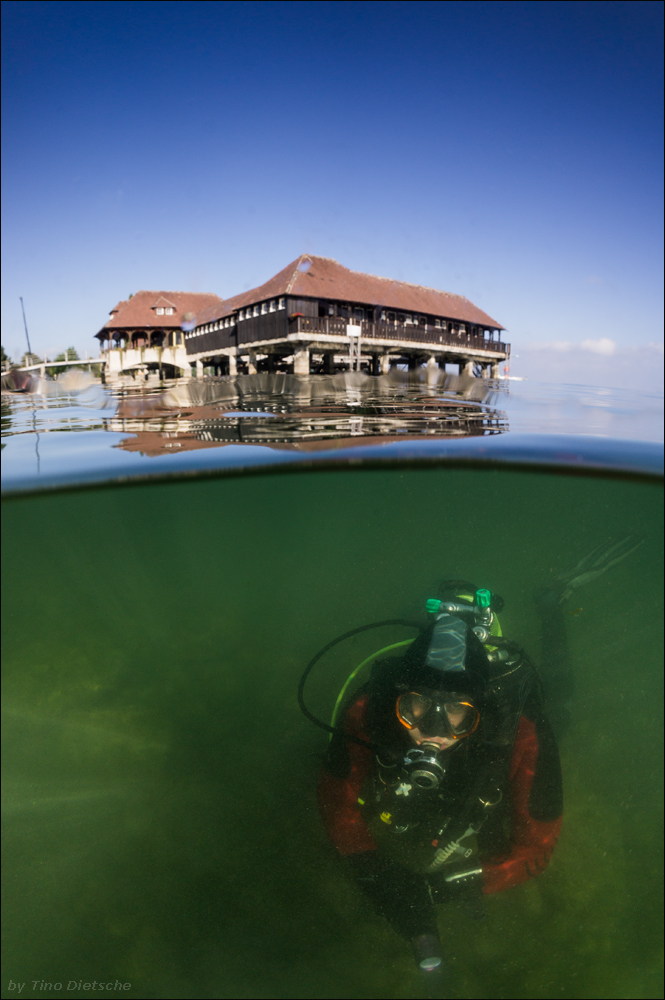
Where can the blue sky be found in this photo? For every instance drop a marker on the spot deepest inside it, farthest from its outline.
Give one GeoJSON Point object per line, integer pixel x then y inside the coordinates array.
{"type": "Point", "coordinates": [510, 152]}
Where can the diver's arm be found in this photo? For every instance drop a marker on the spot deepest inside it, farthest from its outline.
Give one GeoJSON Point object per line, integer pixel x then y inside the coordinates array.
{"type": "Point", "coordinates": [537, 803]}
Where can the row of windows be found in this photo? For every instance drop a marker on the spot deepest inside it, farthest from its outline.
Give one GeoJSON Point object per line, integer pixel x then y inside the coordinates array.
{"type": "Point", "coordinates": [219, 324]}
{"type": "Point", "coordinates": [274, 305]}
{"type": "Point", "coordinates": [262, 308]}
{"type": "Point", "coordinates": [164, 311]}
{"type": "Point", "coordinates": [408, 320]}
{"type": "Point", "coordinates": [356, 313]}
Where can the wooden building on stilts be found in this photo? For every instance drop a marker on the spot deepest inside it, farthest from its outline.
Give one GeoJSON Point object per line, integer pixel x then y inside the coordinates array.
{"type": "Point", "coordinates": [318, 316]}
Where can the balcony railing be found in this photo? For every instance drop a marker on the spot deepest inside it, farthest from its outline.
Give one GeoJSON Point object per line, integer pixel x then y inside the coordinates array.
{"type": "Point", "coordinates": [335, 326]}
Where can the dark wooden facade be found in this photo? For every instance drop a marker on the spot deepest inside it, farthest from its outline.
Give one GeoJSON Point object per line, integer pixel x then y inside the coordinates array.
{"type": "Point", "coordinates": [312, 316]}
{"type": "Point", "coordinates": [395, 321]}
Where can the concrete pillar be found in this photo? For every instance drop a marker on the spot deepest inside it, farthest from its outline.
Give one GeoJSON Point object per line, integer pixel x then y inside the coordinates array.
{"type": "Point", "coordinates": [251, 363]}
{"type": "Point", "coordinates": [199, 368]}
{"type": "Point", "coordinates": [329, 363]}
{"type": "Point", "coordinates": [494, 369]}
{"type": "Point", "coordinates": [385, 364]}
{"type": "Point", "coordinates": [233, 365]}
{"type": "Point", "coordinates": [301, 362]}
{"type": "Point", "coordinates": [432, 371]}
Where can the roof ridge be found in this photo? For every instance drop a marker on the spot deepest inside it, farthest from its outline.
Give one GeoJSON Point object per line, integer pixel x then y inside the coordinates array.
{"type": "Point", "coordinates": [297, 271]}
{"type": "Point", "coordinates": [161, 291]}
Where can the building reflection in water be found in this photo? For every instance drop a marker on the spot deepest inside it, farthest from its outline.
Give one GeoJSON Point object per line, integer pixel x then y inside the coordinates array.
{"type": "Point", "coordinates": [307, 413]}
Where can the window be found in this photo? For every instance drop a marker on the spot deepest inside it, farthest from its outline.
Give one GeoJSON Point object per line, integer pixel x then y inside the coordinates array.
{"type": "Point", "coordinates": [273, 305]}
{"type": "Point", "coordinates": [359, 314]}
{"type": "Point", "coordinates": [437, 324]}
{"type": "Point", "coordinates": [241, 314]}
{"type": "Point", "coordinates": [282, 304]}
{"type": "Point", "coordinates": [408, 320]}
{"type": "Point", "coordinates": [169, 312]}
{"type": "Point", "coordinates": [391, 317]}
{"type": "Point", "coordinates": [383, 315]}
{"type": "Point", "coordinates": [422, 320]}
{"type": "Point", "coordinates": [256, 310]}
{"type": "Point", "coordinates": [160, 310]}
{"type": "Point", "coordinates": [264, 308]}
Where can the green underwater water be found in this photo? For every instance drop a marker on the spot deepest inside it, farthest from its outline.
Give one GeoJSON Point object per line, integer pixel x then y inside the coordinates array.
{"type": "Point", "coordinates": [161, 826]}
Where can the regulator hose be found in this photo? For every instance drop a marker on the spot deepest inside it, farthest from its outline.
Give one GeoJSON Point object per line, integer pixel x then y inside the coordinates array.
{"type": "Point", "coordinates": [315, 659]}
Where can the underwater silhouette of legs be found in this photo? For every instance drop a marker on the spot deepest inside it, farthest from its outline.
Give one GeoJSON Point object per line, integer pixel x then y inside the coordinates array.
{"type": "Point", "coordinates": [557, 672]}
{"type": "Point", "coordinates": [588, 569]}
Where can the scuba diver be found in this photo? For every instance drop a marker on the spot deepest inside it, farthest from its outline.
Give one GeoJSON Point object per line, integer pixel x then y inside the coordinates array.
{"type": "Point", "coordinates": [443, 782]}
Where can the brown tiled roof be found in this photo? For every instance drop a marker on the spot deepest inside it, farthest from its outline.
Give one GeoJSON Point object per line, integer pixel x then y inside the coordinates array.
{"type": "Point", "coordinates": [141, 310]}
{"type": "Point", "coordinates": [321, 277]}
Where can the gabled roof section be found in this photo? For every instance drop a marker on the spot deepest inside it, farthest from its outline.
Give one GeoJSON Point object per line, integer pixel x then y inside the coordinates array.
{"type": "Point", "coordinates": [140, 310]}
{"type": "Point", "coordinates": [163, 302]}
{"type": "Point", "coordinates": [315, 277]}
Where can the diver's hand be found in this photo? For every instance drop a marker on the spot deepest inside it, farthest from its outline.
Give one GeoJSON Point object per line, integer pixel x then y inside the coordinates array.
{"type": "Point", "coordinates": [457, 884]}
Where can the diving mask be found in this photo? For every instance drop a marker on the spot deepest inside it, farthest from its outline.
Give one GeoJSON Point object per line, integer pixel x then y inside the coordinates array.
{"type": "Point", "coordinates": [437, 714]}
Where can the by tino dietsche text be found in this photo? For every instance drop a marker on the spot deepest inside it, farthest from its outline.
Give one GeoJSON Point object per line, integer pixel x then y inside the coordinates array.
{"type": "Point", "coordinates": [73, 986]}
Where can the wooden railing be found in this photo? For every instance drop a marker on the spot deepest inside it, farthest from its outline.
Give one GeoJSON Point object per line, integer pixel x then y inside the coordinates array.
{"type": "Point", "coordinates": [335, 326]}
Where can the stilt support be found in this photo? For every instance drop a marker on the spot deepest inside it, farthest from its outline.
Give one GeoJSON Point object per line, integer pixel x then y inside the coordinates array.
{"type": "Point", "coordinates": [301, 362]}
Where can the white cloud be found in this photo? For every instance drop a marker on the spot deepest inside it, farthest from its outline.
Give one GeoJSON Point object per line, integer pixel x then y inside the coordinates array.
{"type": "Point", "coordinates": [635, 367]}
{"type": "Point", "coordinates": [561, 346]}
{"type": "Point", "coordinates": [602, 346]}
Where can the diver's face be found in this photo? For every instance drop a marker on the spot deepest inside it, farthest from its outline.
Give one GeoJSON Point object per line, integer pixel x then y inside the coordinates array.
{"type": "Point", "coordinates": [455, 713]}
